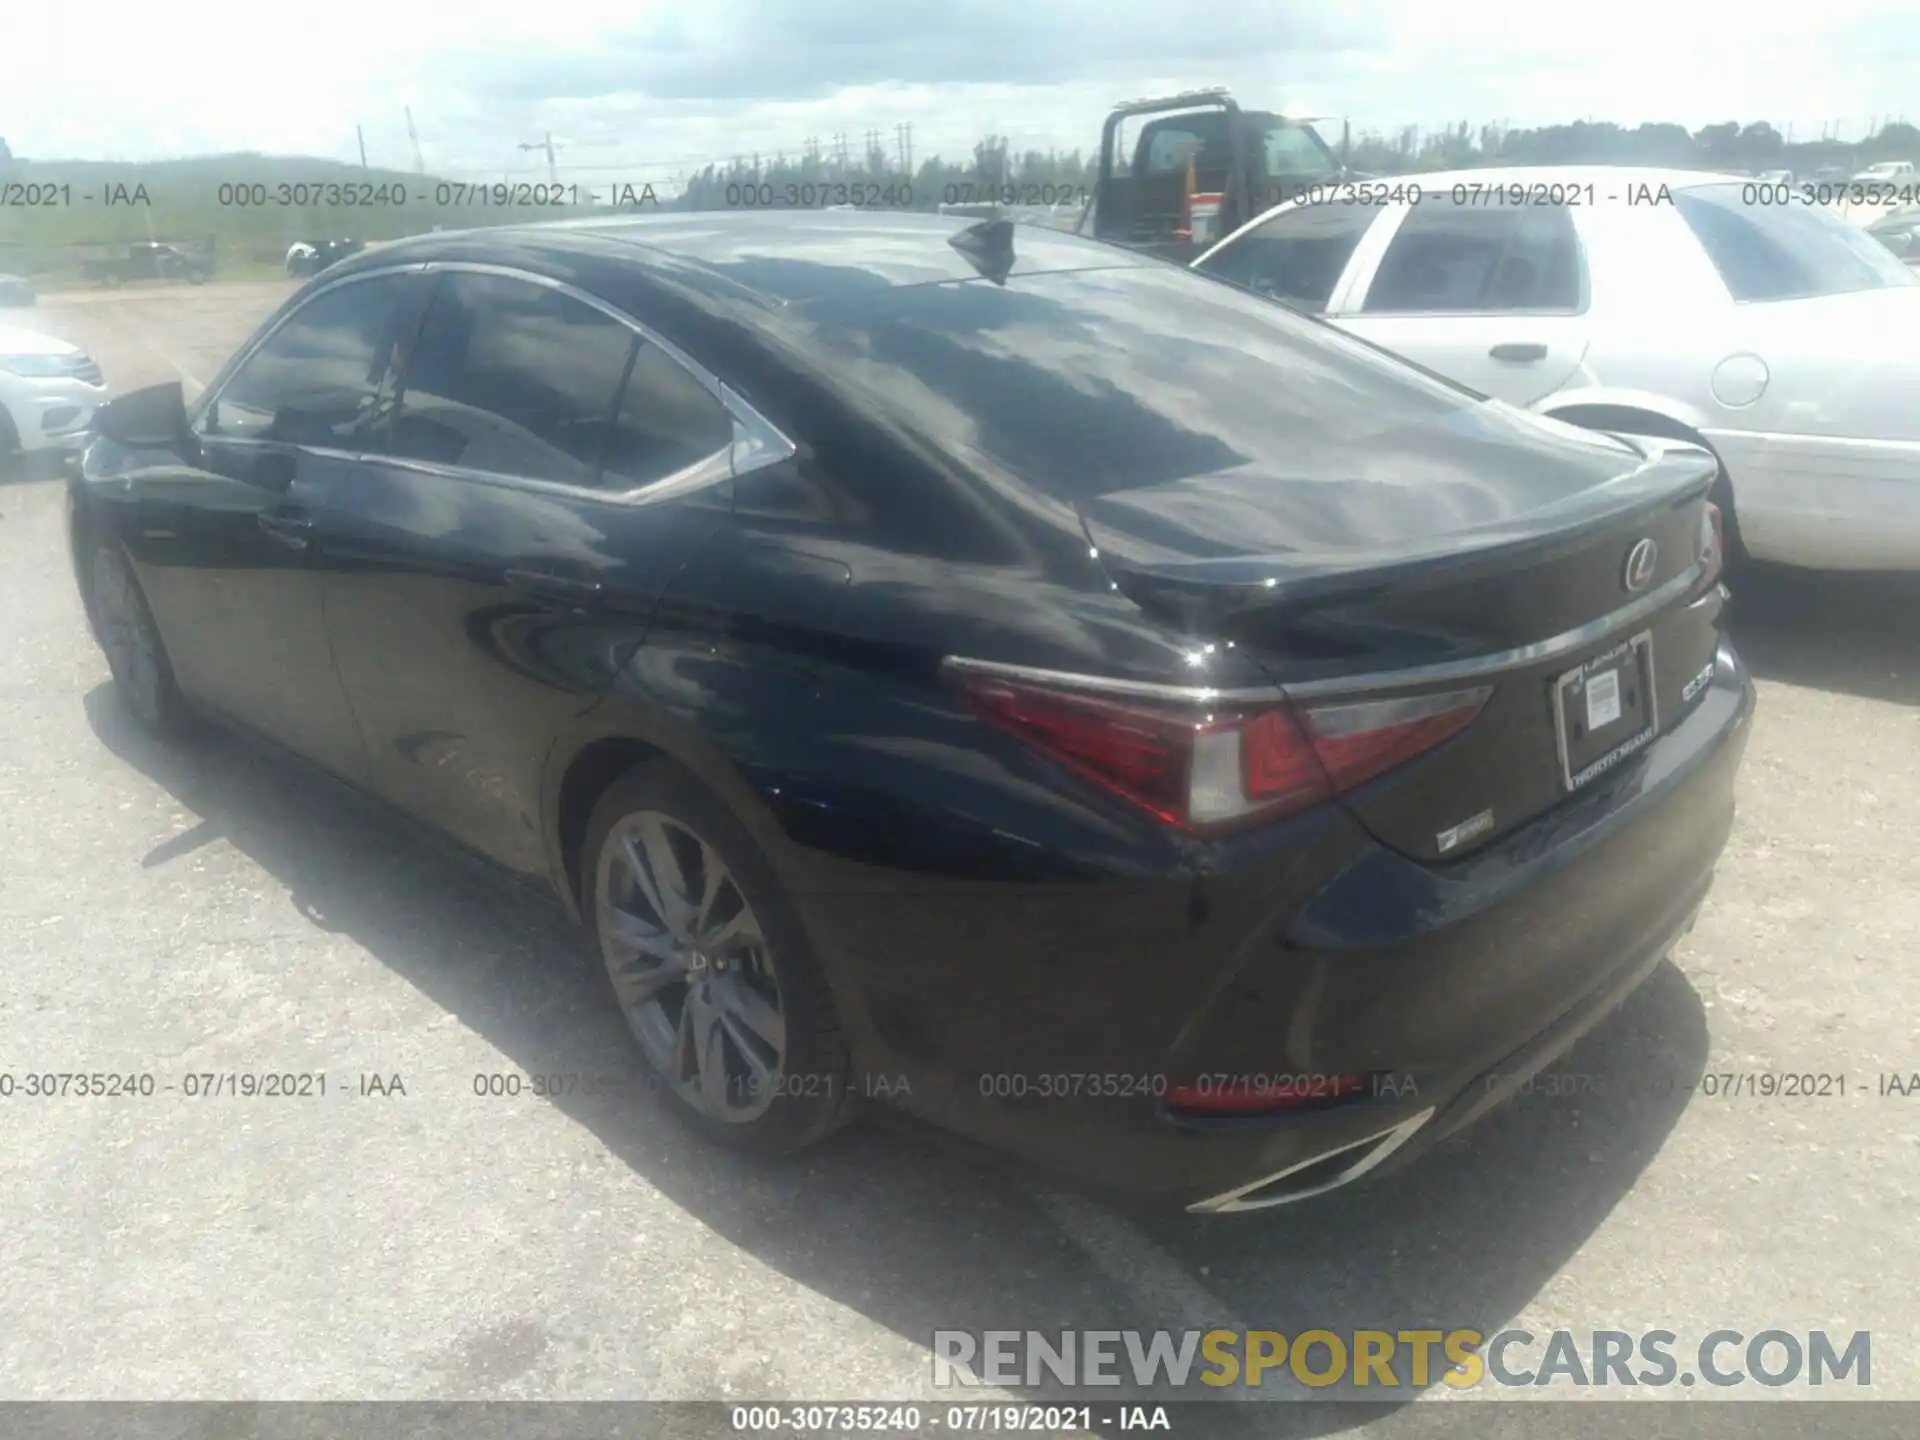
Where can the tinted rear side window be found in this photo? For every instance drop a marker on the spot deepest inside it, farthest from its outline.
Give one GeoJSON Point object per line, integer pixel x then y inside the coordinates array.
{"type": "Point", "coordinates": [667, 420]}
{"type": "Point", "coordinates": [512, 378]}
{"type": "Point", "coordinates": [1090, 383]}
{"type": "Point", "coordinates": [1784, 252]}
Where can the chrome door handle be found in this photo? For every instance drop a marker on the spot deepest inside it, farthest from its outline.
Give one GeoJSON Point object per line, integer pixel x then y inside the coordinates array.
{"type": "Point", "coordinates": [293, 531]}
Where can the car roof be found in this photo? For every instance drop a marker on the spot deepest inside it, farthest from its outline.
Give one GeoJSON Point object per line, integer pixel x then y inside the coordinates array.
{"type": "Point", "coordinates": [775, 257]}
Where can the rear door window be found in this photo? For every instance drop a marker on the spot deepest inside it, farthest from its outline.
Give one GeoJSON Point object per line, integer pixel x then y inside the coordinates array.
{"type": "Point", "coordinates": [1468, 259]}
{"type": "Point", "coordinates": [667, 421]}
{"type": "Point", "coordinates": [513, 378]}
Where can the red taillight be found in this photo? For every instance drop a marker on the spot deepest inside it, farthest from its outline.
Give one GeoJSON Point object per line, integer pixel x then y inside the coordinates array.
{"type": "Point", "coordinates": [1199, 768]}
{"type": "Point", "coordinates": [1143, 754]}
{"type": "Point", "coordinates": [1713, 547]}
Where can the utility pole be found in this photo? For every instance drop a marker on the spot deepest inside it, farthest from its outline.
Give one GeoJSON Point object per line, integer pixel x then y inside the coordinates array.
{"type": "Point", "coordinates": [362, 134]}
{"type": "Point", "coordinates": [419, 165]}
{"type": "Point", "coordinates": [840, 148]}
{"type": "Point", "coordinates": [553, 167]}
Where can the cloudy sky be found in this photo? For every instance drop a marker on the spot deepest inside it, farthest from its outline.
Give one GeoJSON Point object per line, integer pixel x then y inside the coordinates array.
{"type": "Point", "coordinates": [640, 89]}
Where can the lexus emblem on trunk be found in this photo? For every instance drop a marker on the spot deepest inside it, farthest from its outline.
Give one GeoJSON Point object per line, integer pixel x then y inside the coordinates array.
{"type": "Point", "coordinates": [1641, 560]}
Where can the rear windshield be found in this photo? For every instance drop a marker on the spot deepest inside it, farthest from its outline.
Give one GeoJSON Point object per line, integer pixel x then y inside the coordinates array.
{"type": "Point", "coordinates": [1784, 252]}
{"type": "Point", "coordinates": [1098, 381]}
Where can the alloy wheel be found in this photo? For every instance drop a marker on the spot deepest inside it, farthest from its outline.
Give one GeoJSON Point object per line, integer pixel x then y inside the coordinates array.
{"type": "Point", "coordinates": [691, 967]}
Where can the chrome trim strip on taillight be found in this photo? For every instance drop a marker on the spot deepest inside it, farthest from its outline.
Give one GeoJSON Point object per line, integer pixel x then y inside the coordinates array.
{"type": "Point", "coordinates": [1479, 667]}
{"type": "Point", "coordinates": [1377, 1148]}
{"type": "Point", "coordinates": [1330, 722]}
{"type": "Point", "coordinates": [1108, 685]}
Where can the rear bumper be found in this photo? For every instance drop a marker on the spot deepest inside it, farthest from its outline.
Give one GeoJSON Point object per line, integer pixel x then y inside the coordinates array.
{"type": "Point", "coordinates": [1501, 968]}
{"type": "Point", "coordinates": [1391, 1149]}
{"type": "Point", "coordinates": [1449, 984]}
{"type": "Point", "coordinates": [1826, 503]}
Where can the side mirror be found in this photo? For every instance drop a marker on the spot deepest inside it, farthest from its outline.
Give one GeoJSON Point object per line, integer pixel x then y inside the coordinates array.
{"type": "Point", "coordinates": [151, 419]}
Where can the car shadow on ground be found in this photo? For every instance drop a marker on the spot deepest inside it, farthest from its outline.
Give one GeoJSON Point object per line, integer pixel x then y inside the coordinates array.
{"type": "Point", "coordinates": [1858, 634]}
{"type": "Point", "coordinates": [22, 469]}
{"type": "Point", "coordinates": [920, 1233]}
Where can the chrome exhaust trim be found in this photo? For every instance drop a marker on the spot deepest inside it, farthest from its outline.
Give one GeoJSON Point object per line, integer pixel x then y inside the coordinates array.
{"type": "Point", "coordinates": [1373, 1150]}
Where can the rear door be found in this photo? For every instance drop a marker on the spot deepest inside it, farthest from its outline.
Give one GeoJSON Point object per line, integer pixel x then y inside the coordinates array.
{"type": "Point", "coordinates": [545, 472]}
{"type": "Point", "coordinates": [1493, 296]}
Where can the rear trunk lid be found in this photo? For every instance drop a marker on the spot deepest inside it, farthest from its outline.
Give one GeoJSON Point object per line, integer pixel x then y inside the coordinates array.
{"type": "Point", "coordinates": [1490, 548]}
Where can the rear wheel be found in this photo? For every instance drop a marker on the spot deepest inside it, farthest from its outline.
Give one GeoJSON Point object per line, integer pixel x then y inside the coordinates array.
{"type": "Point", "coordinates": [122, 623]}
{"type": "Point", "coordinates": [1644, 422]}
{"type": "Point", "coordinates": [1722, 495]}
{"type": "Point", "coordinates": [711, 967]}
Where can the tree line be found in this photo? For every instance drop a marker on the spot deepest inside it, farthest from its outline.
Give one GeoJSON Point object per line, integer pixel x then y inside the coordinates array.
{"type": "Point", "coordinates": [1729, 145]}
{"type": "Point", "coordinates": [993, 166]}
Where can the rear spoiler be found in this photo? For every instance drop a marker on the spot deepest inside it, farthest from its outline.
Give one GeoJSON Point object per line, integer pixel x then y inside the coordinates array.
{"type": "Point", "coordinates": [1200, 593]}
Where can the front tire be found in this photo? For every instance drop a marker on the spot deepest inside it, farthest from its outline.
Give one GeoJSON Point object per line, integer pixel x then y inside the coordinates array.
{"type": "Point", "coordinates": [711, 967]}
{"type": "Point", "coordinates": [125, 630]}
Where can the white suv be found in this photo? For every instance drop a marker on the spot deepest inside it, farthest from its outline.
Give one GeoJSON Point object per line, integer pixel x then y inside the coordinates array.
{"type": "Point", "coordinates": [1895, 172]}
{"type": "Point", "coordinates": [48, 393]}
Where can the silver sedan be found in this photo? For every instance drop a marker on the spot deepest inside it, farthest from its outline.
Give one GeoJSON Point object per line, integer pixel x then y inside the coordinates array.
{"type": "Point", "coordinates": [1754, 320]}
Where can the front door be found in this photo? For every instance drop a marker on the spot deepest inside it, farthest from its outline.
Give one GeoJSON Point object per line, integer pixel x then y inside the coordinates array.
{"type": "Point", "coordinates": [231, 545]}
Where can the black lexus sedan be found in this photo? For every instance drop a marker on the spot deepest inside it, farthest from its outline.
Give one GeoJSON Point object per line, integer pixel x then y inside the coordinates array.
{"type": "Point", "coordinates": [969, 669]}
